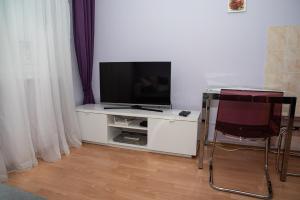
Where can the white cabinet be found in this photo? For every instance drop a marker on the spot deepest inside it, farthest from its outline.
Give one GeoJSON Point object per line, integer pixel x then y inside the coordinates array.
{"type": "Point", "coordinates": [93, 127]}
{"type": "Point", "coordinates": [166, 132]}
{"type": "Point", "coordinates": [173, 136]}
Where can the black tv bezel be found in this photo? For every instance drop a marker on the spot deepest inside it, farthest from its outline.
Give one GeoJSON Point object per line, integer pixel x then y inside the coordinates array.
{"type": "Point", "coordinates": [169, 105]}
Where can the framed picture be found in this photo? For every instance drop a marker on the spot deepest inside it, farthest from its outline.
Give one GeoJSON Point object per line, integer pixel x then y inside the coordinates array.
{"type": "Point", "coordinates": [237, 5]}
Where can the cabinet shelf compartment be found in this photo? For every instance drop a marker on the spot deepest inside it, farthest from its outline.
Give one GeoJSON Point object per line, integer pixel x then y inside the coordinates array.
{"type": "Point", "coordinates": [126, 122]}
{"type": "Point", "coordinates": [127, 137]}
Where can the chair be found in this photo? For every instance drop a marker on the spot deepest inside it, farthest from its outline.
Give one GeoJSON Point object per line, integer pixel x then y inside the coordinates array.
{"type": "Point", "coordinates": [279, 143]}
{"type": "Point", "coordinates": [247, 114]}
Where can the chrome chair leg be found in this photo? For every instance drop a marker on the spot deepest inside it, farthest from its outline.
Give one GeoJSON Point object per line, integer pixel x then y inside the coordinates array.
{"type": "Point", "coordinates": [293, 174]}
{"type": "Point", "coordinates": [269, 185]}
{"type": "Point", "coordinates": [278, 152]}
{"type": "Point", "coordinates": [278, 163]}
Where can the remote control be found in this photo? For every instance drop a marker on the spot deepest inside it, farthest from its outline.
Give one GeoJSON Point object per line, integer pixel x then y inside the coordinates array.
{"type": "Point", "coordinates": [184, 113]}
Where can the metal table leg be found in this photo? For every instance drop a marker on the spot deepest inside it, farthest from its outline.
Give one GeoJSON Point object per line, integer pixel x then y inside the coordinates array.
{"type": "Point", "coordinates": [288, 139]}
{"type": "Point", "coordinates": [205, 131]}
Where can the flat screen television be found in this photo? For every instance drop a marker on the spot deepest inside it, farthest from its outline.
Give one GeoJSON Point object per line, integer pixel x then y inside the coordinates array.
{"type": "Point", "coordinates": [135, 83]}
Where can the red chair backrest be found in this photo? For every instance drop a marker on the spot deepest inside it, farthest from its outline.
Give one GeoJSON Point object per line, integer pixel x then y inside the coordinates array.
{"type": "Point", "coordinates": [248, 114]}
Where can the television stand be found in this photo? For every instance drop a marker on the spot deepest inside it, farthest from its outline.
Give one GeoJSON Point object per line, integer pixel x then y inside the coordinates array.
{"type": "Point", "coordinates": [134, 107]}
{"type": "Point", "coordinates": [166, 132]}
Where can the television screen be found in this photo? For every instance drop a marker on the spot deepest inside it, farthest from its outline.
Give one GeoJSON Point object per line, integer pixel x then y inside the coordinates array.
{"type": "Point", "coordinates": [136, 83]}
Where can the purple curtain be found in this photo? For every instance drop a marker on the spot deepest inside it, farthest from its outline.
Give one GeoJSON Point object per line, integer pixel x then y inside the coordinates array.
{"type": "Point", "coordinates": [83, 28]}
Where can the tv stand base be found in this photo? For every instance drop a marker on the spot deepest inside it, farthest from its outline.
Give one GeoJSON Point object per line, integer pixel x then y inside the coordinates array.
{"type": "Point", "coordinates": [137, 107]}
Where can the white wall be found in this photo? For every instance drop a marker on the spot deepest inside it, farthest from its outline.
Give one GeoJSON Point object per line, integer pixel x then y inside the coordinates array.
{"type": "Point", "coordinates": [207, 45]}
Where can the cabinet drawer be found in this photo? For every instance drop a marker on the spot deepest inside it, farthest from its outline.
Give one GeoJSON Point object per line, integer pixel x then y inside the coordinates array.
{"type": "Point", "coordinates": [178, 137]}
{"type": "Point", "coordinates": [93, 127]}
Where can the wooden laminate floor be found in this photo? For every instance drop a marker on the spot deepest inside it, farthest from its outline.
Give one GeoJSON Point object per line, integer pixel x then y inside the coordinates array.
{"type": "Point", "coordinates": [100, 172]}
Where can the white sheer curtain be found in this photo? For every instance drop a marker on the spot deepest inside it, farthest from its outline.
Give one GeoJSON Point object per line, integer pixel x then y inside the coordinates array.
{"type": "Point", "coordinates": [37, 109]}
